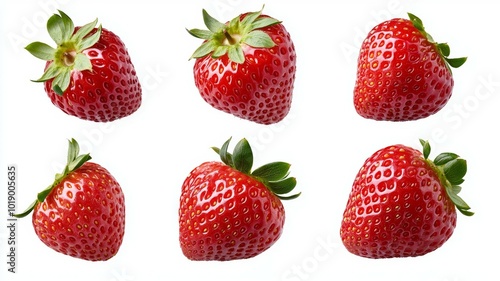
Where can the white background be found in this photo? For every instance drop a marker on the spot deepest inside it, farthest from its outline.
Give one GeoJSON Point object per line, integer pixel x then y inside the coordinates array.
{"type": "Point", "coordinates": [151, 152]}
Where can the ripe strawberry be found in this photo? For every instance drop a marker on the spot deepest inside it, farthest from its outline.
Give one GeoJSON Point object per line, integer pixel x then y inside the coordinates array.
{"type": "Point", "coordinates": [402, 204]}
{"type": "Point", "coordinates": [402, 73]}
{"type": "Point", "coordinates": [246, 67]}
{"type": "Point", "coordinates": [81, 214]}
{"type": "Point", "coordinates": [228, 212]}
{"type": "Point", "coordinates": [89, 74]}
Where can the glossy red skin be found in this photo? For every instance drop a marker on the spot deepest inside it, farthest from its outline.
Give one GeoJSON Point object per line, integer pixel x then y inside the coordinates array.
{"type": "Point", "coordinates": [227, 215]}
{"type": "Point", "coordinates": [109, 92]}
{"type": "Point", "coordinates": [397, 207]}
{"type": "Point", "coordinates": [400, 76]}
{"type": "Point", "coordinates": [84, 215]}
{"type": "Point", "coordinates": [260, 89]}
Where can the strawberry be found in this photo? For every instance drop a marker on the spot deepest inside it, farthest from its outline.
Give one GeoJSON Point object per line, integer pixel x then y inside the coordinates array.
{"type": "Point", "coordinates": [81, 214]}
{"type": "Point", "coordinates": [89, 74]}
{"type": "Point", "coordinates": [227, 212]}
{"type": "Point", "coordinates": [403, 204]}
{"type": "Point", "coordinates": [246, 67]}
{"type": "Point", "coordinates": [402, 73]}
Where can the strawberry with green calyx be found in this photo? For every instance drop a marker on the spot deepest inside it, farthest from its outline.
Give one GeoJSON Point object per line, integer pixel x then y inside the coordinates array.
{"type": "Point", "coordinates": [227, 211]}
{"type": "Point", "coordinates": [246, 67]}
{"type": "Point", "coordinates": [403, 74]}
{"type": "Point", "coordinates": [82, 213]}
{"type": "Point", "coordinates": [402, 204]}
{"type": "Point", "coordinates": [89, 73]}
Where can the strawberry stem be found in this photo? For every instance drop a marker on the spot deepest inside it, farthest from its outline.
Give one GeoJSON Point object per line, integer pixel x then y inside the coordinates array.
{"type": "Point", "coordinates": [229, 38]}
{"type": "Point", "coordinates": [69, 58]}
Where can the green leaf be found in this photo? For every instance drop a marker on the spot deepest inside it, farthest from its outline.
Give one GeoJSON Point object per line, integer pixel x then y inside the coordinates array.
{"type": "Point", "coordinates": [224, 155]}
{"type": "Point", "coordinates": [444, 49]}
{"type": "Point", "coordinates": [51, 72]}
{"type": "Point", "coordinates": [234, 25]}
{"type": "Point", "coordinates": [211, 23]}
{"type": "Point", "coordinates": [90, 41]}
{"type": "Point", "coordinates": [455, 170]}
{"type": "Point", "coordinates": [201, 34]}
{"type": "Point", "coordinates": [68, 28]}
{"type": "Point", "coordinates": [249, 19]}
{"type": "Point", "coordinates": [78, 162]}
{"type": "Point", "coordinates": [43, 194]}
{"type": "Point", "coordinates": [73, 150]}
{"type": "Point", "coordinates": [41, 51]}
{"type": "Point", "coordinates": [27, 211]}
{"type": "Point", "coordinates": [264, 22]}
{"type": "Point", "coordinates": [289, 197]}
{"type": "Point", "coordinates": [235, 53]}
{"type": "Point", "coordinates": [458, 201]}
{"type": "Point", "coordinates": [456, 189]}
{"type": "Point", "coordinates": [205, 49]}
{"type": "Point", "coordinates": [456, 62]}
{"type": "Point", "coordinates": [84, 31]}
{"type": "Point", "coordinates": [466, 212]}
{"type": "Point", "coordinates": [417, 22]}
{"type": "Point", "coordinates": [426, 148]}
{"type": "Point", "coordinates": [259, 39]}
{"type": "Point", "coordinates": [55, 27]}
{"type": "Point", "coordinates": [283, 186]}
{"type": "Point", "coordinates": [220, 51]}
{"type": "Point", "coordinates": [444, 158]}
{"type": "Point", "coordinates": [243, 157]}
{"type": "Point", "coordinates": [61, 81]}
{"type": "Point", "coordinates": [82, 62]}
{"type": "Point", "coordinates": [273, 171]}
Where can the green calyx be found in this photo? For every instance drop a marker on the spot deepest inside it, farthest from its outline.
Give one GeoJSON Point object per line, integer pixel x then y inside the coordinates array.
{"type": "Point", "coordinates": [75, 161]}
{"type": "Point", "coordinates": [273, 175]}
{"type": "Point", "coordinates": [451, 169]}
{"type": "Point", "coordinates": [221, 39]}
{"type": "Point", "coordinates": [443, 48]}
{"type": "Point", "coordinates": [67, 56]}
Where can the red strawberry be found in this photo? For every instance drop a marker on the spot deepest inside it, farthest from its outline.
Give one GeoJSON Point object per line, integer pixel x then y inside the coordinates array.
{"type": "Point", "coordinates": [82, 214]}
{"type": "Point", "coordinates": [246, 67]}
{"type": "Point", "coordinates": [402, 204]}
{"type": "Point", "coordinates": [228, 212]}
{"type": "Point", "coordinates": [89, 74]}
{"type": "Point", "coordinates": [402, 73]}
